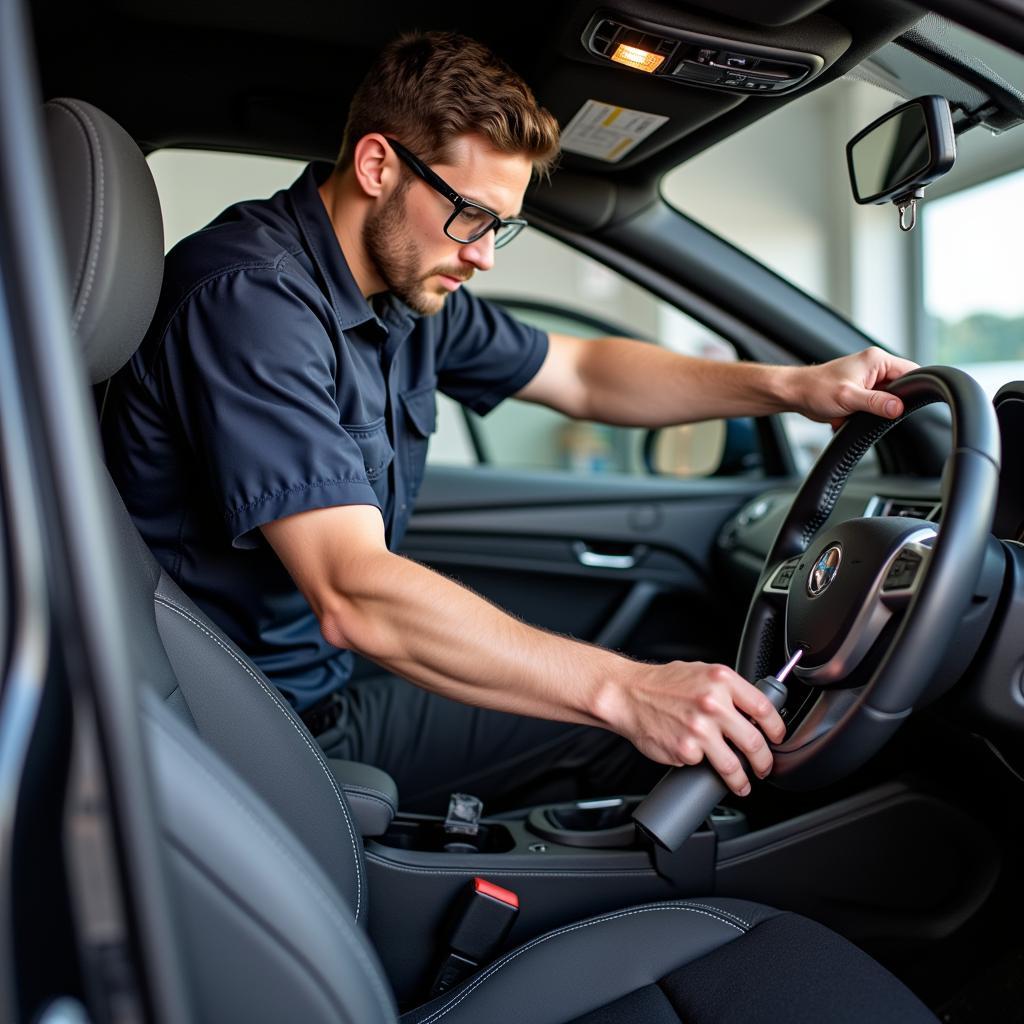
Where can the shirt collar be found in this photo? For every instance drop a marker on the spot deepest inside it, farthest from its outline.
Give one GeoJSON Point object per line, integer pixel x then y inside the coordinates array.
{"type": "Point", "coordinates": [348, 301]}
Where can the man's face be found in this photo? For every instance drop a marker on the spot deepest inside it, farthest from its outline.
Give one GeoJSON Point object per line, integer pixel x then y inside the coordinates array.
{"type": "Point", "coordinates": [405, 237]}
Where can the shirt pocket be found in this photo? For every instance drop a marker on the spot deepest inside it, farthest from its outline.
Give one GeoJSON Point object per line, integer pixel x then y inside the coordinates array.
{"type": "Point", "coordinates": [420, 405]}
{"type": "Point", "coordinates": [377, 453]}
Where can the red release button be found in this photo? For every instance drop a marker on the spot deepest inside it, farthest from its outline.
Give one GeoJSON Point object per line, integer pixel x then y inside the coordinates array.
{"type": "Point", "coordinates": [496, 892]}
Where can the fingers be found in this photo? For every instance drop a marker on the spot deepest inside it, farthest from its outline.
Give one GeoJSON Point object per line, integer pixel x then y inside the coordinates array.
{"type": "Point", "coordinates": [890, 366]}
{"type": "Point", "coordinates": [727, 732]}
{"type": "Point", "coordinates": [751, 701]}
{"type": "Point", "coordinates": [686, 712]}
{"type": "Point", "coordinates": [743, 738]}
{"type": "Point", "coordinates": [855, 398]}
{"type": "Point", "coordinates": [860, 380]}
{"type": "Point", "coordinates": [724, 760]}
{"type": "Point", "coordinates": [883, 369]}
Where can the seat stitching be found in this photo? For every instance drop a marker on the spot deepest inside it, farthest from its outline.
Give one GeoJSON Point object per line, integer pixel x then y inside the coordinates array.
{"type": "Point", "coordinates": [355, 794]}
{"type": "Point", "coordinates": [508, 958]}
{"type": "Point", "coordinates": [76, 278]}
{"type": "Point", "coordinates": [469, 872]}
{"type": "Point", "coordinates": [94, 258]}
{"type": "Point", "coordinates": [344, 927]}
{"type": "Point", "coordinates": [160, 599]}
{"type": "Point", "coordinates": [724, 913]}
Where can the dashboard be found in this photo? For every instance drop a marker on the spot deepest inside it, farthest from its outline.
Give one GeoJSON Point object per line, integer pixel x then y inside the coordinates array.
{"type": "Point", "coordinates": [747, 537]}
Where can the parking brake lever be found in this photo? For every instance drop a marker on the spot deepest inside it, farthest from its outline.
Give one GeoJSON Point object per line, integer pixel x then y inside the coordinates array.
{"type": "Point", "coordinates": [677, 805]}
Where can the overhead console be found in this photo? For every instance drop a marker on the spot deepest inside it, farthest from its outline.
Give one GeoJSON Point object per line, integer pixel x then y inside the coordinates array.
{"type": "Point", "coordinates": [697, 58]}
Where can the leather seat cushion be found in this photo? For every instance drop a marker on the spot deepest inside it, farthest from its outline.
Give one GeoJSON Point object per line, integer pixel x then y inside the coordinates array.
{"type": "Point", "coordinates": [696, 961]}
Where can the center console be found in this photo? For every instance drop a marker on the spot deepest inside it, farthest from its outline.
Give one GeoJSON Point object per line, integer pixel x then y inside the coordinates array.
{"type": "Point", "coordinates": [853, 865]}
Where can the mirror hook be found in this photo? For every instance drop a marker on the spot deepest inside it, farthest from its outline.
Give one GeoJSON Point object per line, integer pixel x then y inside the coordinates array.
{"type": "Point", "coordinates": [908, 204]}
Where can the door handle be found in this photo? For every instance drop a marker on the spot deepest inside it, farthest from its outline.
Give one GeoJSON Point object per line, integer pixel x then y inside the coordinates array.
{"type": "Point", "coordinates": [587, 556]}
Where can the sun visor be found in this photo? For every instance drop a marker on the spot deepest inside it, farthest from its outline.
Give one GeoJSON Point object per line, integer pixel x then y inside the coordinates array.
{"type": "Point", "coordinates": [578, 201]}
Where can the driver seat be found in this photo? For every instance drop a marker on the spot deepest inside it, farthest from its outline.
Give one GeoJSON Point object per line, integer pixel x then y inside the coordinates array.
{"type": "Point", "coordinates": [264, 864]}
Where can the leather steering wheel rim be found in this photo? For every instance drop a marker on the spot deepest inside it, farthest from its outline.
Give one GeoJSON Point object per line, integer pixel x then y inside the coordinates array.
{"type": "Point", "coordinates": [847, 725]}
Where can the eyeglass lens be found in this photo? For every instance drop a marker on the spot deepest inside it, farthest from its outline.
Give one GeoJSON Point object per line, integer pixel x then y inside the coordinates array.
{"type": "Point", "coordinates": [473, 222]}
{"type": "Point", "coordinates": [470, 223]}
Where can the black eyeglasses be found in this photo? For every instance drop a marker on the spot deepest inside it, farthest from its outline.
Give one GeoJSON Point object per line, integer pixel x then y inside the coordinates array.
{"type": "Point", "coordinates": [469, 222]}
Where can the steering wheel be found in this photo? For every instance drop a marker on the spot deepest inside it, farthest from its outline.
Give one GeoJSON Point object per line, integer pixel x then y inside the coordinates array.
{"type": "Point", "coordinates": [873, 602]}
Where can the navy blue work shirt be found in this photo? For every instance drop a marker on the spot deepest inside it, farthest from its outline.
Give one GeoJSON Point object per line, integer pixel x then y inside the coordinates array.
{"type": "Point", "coordinates": [268, 385]}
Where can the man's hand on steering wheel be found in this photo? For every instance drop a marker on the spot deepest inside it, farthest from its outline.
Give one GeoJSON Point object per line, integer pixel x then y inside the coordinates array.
{"type": "Point", "coordinates": [831, 391]}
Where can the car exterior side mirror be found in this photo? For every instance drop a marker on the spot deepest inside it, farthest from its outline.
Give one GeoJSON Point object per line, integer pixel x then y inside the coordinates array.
{"type": "Point", "coordinates": [896, 156]}
{"type": "Point", "coordinates": [710, 448]}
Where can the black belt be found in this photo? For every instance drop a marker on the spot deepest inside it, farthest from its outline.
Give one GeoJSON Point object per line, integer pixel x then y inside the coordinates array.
{"type": "Point", "coordinates": [323, 715]}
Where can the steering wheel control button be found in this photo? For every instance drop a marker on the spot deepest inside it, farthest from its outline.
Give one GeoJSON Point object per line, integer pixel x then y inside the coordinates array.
{"type": "Point", "coordinates": [903, 572]}
{"type": "Point", "coordinates": [824, 570]}
{"type": "Point", "coordinates": [779, 583]}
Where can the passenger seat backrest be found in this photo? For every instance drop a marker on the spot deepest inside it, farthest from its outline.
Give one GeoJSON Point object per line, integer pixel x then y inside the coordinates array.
{"type": "Point", "coordinates": [110, 217]}
{"type": "Point", "coordinates": [241, 715]}
{"type": "Point", "coordinates": [264, 933]}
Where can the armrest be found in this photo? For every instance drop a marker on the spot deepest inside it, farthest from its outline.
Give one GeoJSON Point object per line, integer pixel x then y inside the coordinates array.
{"type": "Point", "coordinates": [371, 794]}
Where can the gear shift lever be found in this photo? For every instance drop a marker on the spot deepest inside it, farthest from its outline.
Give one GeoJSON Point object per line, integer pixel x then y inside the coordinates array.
{"type": "Point", "coordinates": [674, 809]}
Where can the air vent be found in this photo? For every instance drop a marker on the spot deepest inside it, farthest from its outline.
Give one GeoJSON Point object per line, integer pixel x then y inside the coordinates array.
{"type": "Point", "coordinates": [904, 508]}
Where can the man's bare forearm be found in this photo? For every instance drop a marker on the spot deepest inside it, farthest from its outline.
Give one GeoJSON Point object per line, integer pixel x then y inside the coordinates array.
{"type": "Point", "coordinates": [632, 383]}
{"type": "Point", "coordinates": [434, 632]}
{"type": "Point", "coordinates": [445, 638]}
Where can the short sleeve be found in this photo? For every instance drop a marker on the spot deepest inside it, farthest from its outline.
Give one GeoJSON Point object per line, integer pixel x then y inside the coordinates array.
{"type": "Point", "coordinates": [250, 369]}
{"type": "Point", "coordinates": [485, 354]}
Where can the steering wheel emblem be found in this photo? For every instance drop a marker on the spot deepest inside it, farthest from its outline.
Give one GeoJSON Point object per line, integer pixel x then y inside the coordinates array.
{"type": "Point", "coordinates": [824, 570]}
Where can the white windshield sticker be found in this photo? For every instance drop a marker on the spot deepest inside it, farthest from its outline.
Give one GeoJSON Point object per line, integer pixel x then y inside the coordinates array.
{"type": "Point", "coordinates": [607, 132]}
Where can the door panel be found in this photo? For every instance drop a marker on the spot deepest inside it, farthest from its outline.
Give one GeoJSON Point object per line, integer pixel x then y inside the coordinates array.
{"type": "Point", "coordinates": [625, 562]}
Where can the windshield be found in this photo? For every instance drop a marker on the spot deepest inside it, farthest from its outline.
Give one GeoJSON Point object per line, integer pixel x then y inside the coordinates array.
{"type": "Point", "coordinates": [948, 291]}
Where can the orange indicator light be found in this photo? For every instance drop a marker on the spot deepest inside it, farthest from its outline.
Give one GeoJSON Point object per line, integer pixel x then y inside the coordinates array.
{"type": "Point", "coordinates": [634, 57]}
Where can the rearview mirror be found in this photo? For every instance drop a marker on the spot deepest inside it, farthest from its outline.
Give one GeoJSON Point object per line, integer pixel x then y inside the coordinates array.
{"type": "Point", "coordinates": [896, 156]}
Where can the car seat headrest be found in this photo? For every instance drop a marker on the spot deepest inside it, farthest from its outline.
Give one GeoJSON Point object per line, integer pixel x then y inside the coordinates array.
{"type": "Point", "coordinates": [113, 233]}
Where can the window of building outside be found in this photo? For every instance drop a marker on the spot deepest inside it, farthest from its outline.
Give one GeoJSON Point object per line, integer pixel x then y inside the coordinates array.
{"type": "Point", "coordinates": [972, 280]}
{"type": "Point", "coordinates": [541, 281]}
{"type": "Point", "coordinates": [779, 190]}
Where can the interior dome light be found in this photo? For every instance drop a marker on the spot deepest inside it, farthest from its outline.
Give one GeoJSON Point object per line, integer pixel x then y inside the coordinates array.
{"type": "Point", "coordinates": [634, 57]}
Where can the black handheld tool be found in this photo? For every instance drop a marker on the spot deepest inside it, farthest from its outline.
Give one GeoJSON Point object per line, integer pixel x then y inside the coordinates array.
{"type": "Point", "coordinates": [674, 809]}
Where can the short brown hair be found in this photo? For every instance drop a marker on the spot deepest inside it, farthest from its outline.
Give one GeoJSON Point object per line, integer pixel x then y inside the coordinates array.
{"type": "Point", "coordinates": [428, 88]}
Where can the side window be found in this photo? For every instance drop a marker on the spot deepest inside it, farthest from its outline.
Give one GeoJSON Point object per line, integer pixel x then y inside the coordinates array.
{"type": "Point", "coordinates": [808, 439]}
{"type": "Point", "coordinates": [548, 284]}
{"type": "Point", "coordinates": [195, 185]}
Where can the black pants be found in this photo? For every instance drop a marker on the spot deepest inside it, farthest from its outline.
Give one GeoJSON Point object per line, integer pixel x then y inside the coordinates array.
{"type": "Point", "coordinates": [432, 746]}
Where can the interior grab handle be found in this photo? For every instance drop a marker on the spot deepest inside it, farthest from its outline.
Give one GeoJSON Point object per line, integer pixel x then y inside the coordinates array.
{"type": "Point", "coordinates": [587, 556]}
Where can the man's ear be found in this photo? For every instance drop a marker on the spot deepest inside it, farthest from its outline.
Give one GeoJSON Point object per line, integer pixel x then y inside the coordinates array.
{"type": "Point", "coordinates": [374, 165]}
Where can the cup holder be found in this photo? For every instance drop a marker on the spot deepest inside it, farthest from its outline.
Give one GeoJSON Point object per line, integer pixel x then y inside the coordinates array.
{"type": "Point", "coordinates": [430, 836]}
{"type": "Point", "coordinates": [590, 823]}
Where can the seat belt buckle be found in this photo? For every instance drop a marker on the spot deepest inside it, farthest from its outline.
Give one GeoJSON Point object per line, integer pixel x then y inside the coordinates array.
{"type": "Point", "coordinates": [487, 914]}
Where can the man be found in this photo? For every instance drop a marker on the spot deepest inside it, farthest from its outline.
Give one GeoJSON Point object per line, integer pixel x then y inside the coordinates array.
{"type": "Point", "coordinates": [270, 435]}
